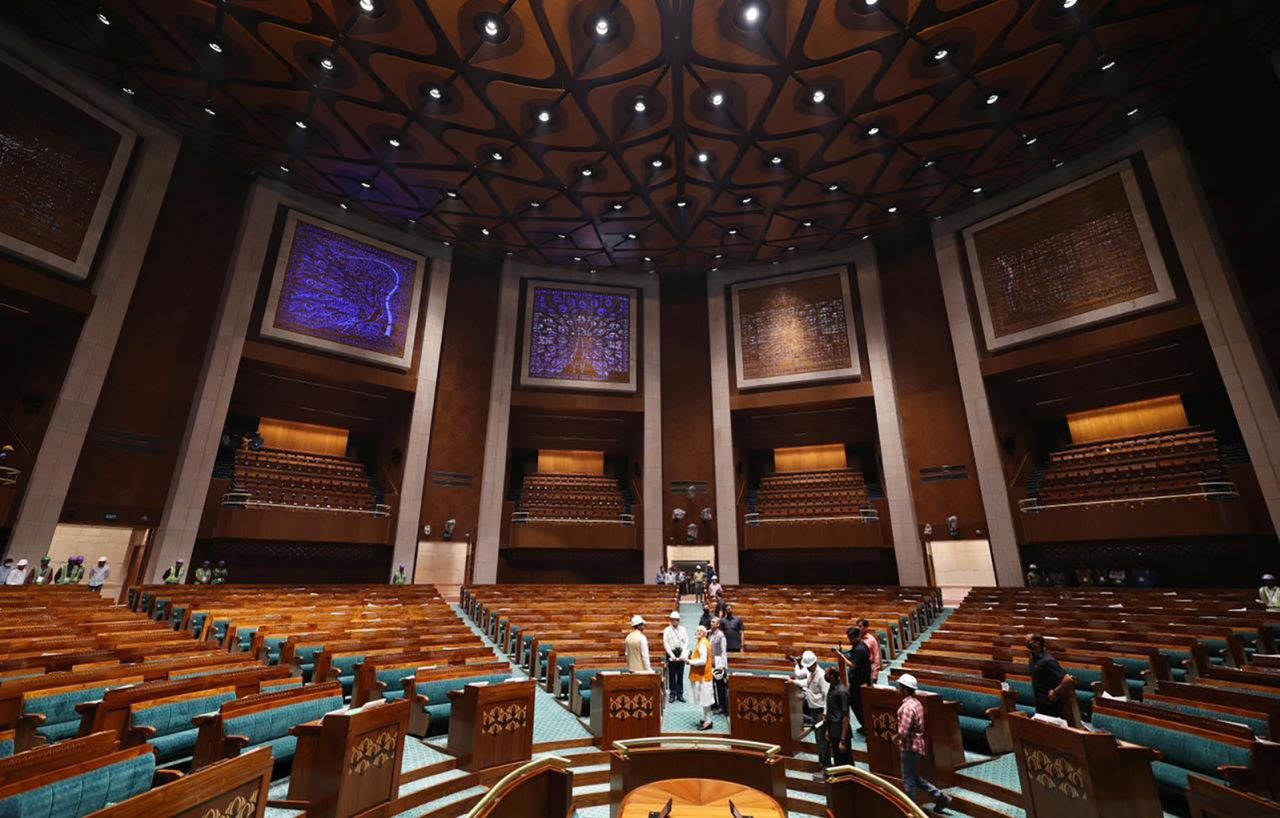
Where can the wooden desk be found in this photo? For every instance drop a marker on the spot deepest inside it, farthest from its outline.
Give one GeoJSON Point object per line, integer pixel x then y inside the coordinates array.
{"type": "Point", "coordinates": [625, 705]}
{"type": "Point", "coordinates": [1071, 773]}
{"type": "Point", "coordinates": [349, 761]}
{"type": "Point", "coordinates": [699, 798]}
{"type": "Point", "coordinates": [942, 723]}
{"type": "Point", "coordinates": [767, 709]}
{"type": "Point", "coordinates": [492, 724]}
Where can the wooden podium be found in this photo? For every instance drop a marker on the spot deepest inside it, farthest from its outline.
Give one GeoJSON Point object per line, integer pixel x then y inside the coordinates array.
{"type": "Point", "coordinates": [942, 726]}
{"type": "Point", "coordinates": [625, 705]}
{"type": "Point", "coordinates": [349, 761]}
{"type": "Point", "coordinates": [491, 724]}
{"type": "Point", "coordinates": [768, 709]}
{"type": "Point", "coordinates": [1071, 773]}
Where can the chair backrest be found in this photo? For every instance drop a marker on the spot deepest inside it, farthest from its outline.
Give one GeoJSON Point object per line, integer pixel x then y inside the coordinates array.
{"type": "Point", "coordinates": [81, 788]}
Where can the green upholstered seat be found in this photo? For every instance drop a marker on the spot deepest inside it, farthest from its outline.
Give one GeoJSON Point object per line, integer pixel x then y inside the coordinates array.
{"type": "Point", "coordinates": [197, 623]}
{"type": "Point", "coordinates": [973, 709]}
{"type": "Point", "coordinates": [437, 693]}
{"type": "Point", "coordinates": [6, 747]}
{"type": "Point", "coordinates": [61, 721]}
{"type": "Point", "coordinates": [272, 644]}
{"type": "Point", "coordinates": [85, 793]}
{"type": "Point", "coordinates": [175, 736]}
{"type": "Point", "coordinates": [1258, 725]}
{"type": "Point", "coordinates": [1183, 751]}
{"type": "Point", "coordinates": [272, 726]}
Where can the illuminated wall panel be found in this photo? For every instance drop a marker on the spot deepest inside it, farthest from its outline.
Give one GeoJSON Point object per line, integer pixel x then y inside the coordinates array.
{"type": "Point", "coordinates": [578, 336]}
{"type": "Point", "coordinates": [339, 291]}
{"type": "Point", "coordinates": [794, 329]}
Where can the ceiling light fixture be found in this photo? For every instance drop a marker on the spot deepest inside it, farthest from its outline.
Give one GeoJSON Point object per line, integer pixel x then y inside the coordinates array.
{"type": "Point", "coordinates": [300, 124]}
{"type": "Point", "coordinates": [104, 19]}
{"type": "Point", "coordinates": [544, 116]}
{"type": "Point", "coordinates": [639, 105]}
{"type": "Point", "coordinates": [326, 64]}
{"type": "Point", "coordinates": [215, 48]}
{"type": "Point", "coordinates": [1057, 163]}
{"type": "Point", "coordinates": [535, 204]}
{"type": "Point", "coordinates": [717, 98]}
{"type": "Point", "coordinates": [656, 162]}
{"type": "Point", "coordinates": [940, 54]}
{"type": "Point", "coordinates": [342, 205]}
{"type": "Point", "coordinates": [993, 98]}
{"type": "Point", "coordinates": [1108, 65]}
{"type": "Point", "coordinates": [631, 236]}
{"type": "Point", "coordinates": [871, 2]}
{"type": "Point", "coordinates": [1132, 111]}
{"type": "Point", "coordinates": [928, 163]}
{"type": "Point", "coordinates": [866, 236]}
{"type": "Point", "coordinates": [602, 26]}
{"type": "Point", "coordinates": [367, 6]}
{"type": "Point", "coordinates": [128, 90]}
{"type": "Point", "coordinates": [792, 247]}
{"type": "Point", "coordinates": [561, 236]}
{"type": "Point", "coordinates": [719, 255]}
{"type": "Point", "coordinates": [776, 159]}
{"type": "Point", "coordinates": [586, 171]}
{"type": "Point", "coordinates": [752, 14]}
{"type": "Point", "coordinates": [745, 200]}
{"type": "Point", "coordinates": [818, 96]}
{"type": "Point", "coordinates": [682, 202]}
{"type": "Point", "coordinates": [284, 168]}
{"type": "Point", "coordinates": [873, 130]}
{"type": "Point", "coordinates": [733, 231]}
{"type": "Point", "coordinates": [393, 142]}
{"type": "Point", "coordinates": [434, 92]}
{"type": "Point", "coordinates": [1066, 4]}
{"type": "Point", "coordinates": [806, 224]}
{"type": "Point", "coordinates": [491, 27]}
{"type": "Point", "coordinates": [1030, 140]}
{"type": "Point", "coordinates": [577, 258]}
{"type": "Point", "coordinates": [978, 189]}
{"type": "Point", "coordinates": [832, 188]}
{"type": "Point", "coordinates": [617, 205]}
{"type": "Point", "coordinates": [366, 184]}
{"type": "Point", "coordinates": [484, 231]}
{"type": "Point", "coordinates": [210, 111]}
{"type": "Point", "coordinates": [703, 157]}
{"type": "Point", "coordinates": [498, 156]}
{"type": "Point", "coordinates": [646, 258]}
{"type": "Point", "coordinates": [893, 209]}
{"type": "Point", "coordinates": [452, 194]}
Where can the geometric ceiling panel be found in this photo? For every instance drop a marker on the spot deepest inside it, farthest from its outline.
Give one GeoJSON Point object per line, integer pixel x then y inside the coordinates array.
{"type": "Point", "coordinates": [648, 134]}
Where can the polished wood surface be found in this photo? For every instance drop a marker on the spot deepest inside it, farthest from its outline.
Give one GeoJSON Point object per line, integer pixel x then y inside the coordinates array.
{"type": "Point", "coordinates": [768, 709]}
{"type": "Point", "coordinates": [625, 705]}
{"type": "Point", "coordinates": [1209, 799]}
{"type": "Point", "coordinates": [235, 787]}
{"type": "Point", "coordinates": [609, 535]}
{"type": "Point", "coordinates": [810, 458]}
{"type": "Point", "coordinates": [492, 724]}
{"type": "Point", "coordinates": [349, 762]}
{"type": "Point", "coordinates": [570, 461]}
{"type": "Point", "coordinates": [293, 525]}
{"type": "Point", "coordinates": [640, 767]}
{"type": "Point", "coordinates": [699, 798]}
{"type": "Point", "coordinates": [849, 795]}
{"type": "Point", "coordinates": [942, 728]}
{"type": "Point", "coordinates": [835, 534]}
{"type": "Point", "coordinates": [544, 793]}
{"type": "Point", "coordinates": [1072, 773]}
{"type": "Point", "coordinates": [303, 437]}
{"type": "Point", "coordinates": [1127, 419]}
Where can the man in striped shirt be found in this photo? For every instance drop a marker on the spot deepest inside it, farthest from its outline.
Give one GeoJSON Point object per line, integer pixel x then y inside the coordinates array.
{"type": "Point", "coordinates": [911, 741]}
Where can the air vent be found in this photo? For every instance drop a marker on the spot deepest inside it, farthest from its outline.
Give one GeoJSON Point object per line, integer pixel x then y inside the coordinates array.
{"type": "Point", "coordinates": [935, 474]}
{"type": "Point", "coordinates": [452, 478]}
{"type": "Point", "coordinates": [682, 486]}
{"type": "Point", "coordinates": [129, 441]}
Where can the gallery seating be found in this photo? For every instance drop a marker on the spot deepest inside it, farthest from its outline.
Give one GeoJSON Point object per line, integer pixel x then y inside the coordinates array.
{"type": "Point", "coordinates": [570, 498]}
{"type": "Point", "coordinates": [300, 481]}
{"type": "Point", "coordinates": [807, 494]}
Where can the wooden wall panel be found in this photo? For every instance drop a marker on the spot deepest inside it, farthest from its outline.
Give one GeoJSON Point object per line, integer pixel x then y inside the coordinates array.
{"type": "Point", "coordinates": [810, 458]}
{"type": "Point", "coordinates": [137, 427]}
{"type": "Point", "coordinates": [687, 454]}
{"type": "Point", "coordinates": [1127, 419]}
{"type": "Point", "coordinates": [303, 437]}
{"type": "Point", "coordinates": [934, 425]}
{"type": "Point", "coordinates": [567, 461]}
{"type": "Point", "coordinates": [462, 397]}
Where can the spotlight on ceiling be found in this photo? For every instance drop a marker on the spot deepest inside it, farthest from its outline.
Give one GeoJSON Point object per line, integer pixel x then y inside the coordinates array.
{"type": "Point", "coordinates": [498, 156]}
{"type": "Point", "coordinates": [1066, 4]}
{"type": "Point", "coordinates": [452, 194]}
{"type": "Point", "coordinates": [752, 13]}
{"type": "Point", "coordinates": [617, 205]}
{"type": "Point", "coordinates": [586, 172]}
{"type": "Point", "coordinates": [104, 19]}
{"type": "Point", "coordinates": [210, 111]}
{"type": "Point", "coordinates": [492, 27]}
{"type": "Point", "coordinates": [818, 96]}
{"type": "Point", "coordinates": [682, 202]}
{"type": "Point", "coordinates": [928, 163]}
{"type": "Point", "coordinates": [717, 98]}
{"type": "Point", "coordinates": [342, 205]}
{"type": "Point", "coordinates": [129, 91]}
{"type": "Point", "coordinates": [746, 200]}
{"type": "Point", "coordinates": [577, 258]}
{"type": "Point", "coordinates": [777, 159]}
{"type": "Point", "coordinates": [366, 184]}
{"type": "Point", "coordinates": [870, 3]}
{"type": "Point", "coordinates": [484, 231]}
{"type": "Point", "coordinates": [646, 258]}
{"type": "Point", "coordinates": [368, 6]}
{"type": "Point", "coordinates": [435, 92]}
{"type": "Point", "coordinates": [806, 224]}
{"type": "Point", "coordinates": [639, 106]}
{"type": "Point", "coordinates": [561, 236]}
{"type": "Point", "coordinates": [300, 124]}
{"type": "Point", "coordinates": [393, 142]}
{"type": "Point", "coordinates": [215, 48]}
{"type": "Point", "coordinates": [792, 247]}
{"type": "Point", "coordinates": [631, 236]}
{"type": "Point", "coordinates": [733, 231]}
{"type": "Point", "coordinates": [993, 98]}
{"type": "Point", "coordinates": [873, 130]}
{"type": "Point", "coordinates": [719, 255]}
{"type": "Point", "coordinates": [832, 188]}
{"type": "Point", "coordinates": [978, 189]}
{"type": "Point", "coordinates": [326, 63]}
{"type": "Point", "coordinates": [940, 54]}
{"type": "Point", "coordinates": [1107, 66]}
{"type": "Point", "coordinates": [284, 168]}
{"type": "Point", "coordinates": [1132, 112]}
{"type": "Point", "coordinates": [893, 209]}
{"type": "Point", "coordinates": [657, 162]}
{"type": "Point", "coordinates": [534, 204]}
{"type": "Point", "coordinates": [601, 26]}
{"type": "Point", "coordinates": [1057, 163]}
{"type": "Point", "coordinates": [703, 157]}
{"type": "Point", "coordinates": [1030, 140]}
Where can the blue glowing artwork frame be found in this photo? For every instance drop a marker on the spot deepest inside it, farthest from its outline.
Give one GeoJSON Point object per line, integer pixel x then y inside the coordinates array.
{"type": "Point", "coordinates": [549, 363]}
{"type": "Point", "coordinates": [317, 299]}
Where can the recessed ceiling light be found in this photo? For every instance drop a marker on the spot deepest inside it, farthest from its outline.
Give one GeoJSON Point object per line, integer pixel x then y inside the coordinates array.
{"type": "Point", "coordinates": [1030, 140]}
{"type": "Point", "coordinates": [1108, 65]}
{"type": "Point", "coordinates": [657, 162]}
{"type": "Point", "coordinates": [586, 171]}
{"type": "Point", "coordinates": [393, 142]}
{"type": "Point", "coordinates": [326, 64]}
{"type": "Point", "coordinates": [938, 217]}
{"type": "Point", "coordinates": [104, 19]}
{"type": "Point", "coordinates": [577, 258]}
{"type": "Point", "coordinates": [300, 124]}
{"type": "Point", "coordinates": [871, 2]}
{"type": "Point", "coordinates": [617, 205]}
{"type": "Point", "coordinates": [631, 236]}
{"type": "Point", "coordinates": [484, 231]}
{"type": "Point", "coordinates": [128, 90]}
{"type": "Point", "coordinates": [978, 189]}
{"type": "Point", "coordinates": [751, 14]}
{"type": "Point", "coordinates": [1132, 111]}
{"type": "Point", "coordinates": [792, 247]}
{"type": "Point", "coordinates": [215, 48]}
{"type": "Point", "coordinates": [210, 111]}
{"type": "Point", "coordinates": [716, 98]}
{"type": "Point", "coordinates": [713, 269]}
{"type": "Point", "coordinates": [719, 255]}
{"type": "Point", "coordinates": [544, 115]}
{"type": "Point", "coordinates": [445, 243]}
{"type": "Point", "coordinates": [1066, 4]}
{"type": "Point", "coordinates": [561, 236]}
{"type": "Point", "coordinates": [928, 163]}
{"type": "Point", "coordinates": [602, 26]}
{"type": "Point", "coordinates": [873, 130]}
{"type": "Point", "coordinates": [639, 106]}
{"type": "Point", "coordinates": [703, 157]}
{"type": "Point", "coordinates": [434, 92]}
{"type": "Point", "coordinates": [806, 224]}
{"type": "Point", "coordinates": [733, 231]}
{"type": "Point", "coordinates": [342, 205]}
{"type": "Point", "coordinates": [498, 156]}
{"type": "Point", "coordinates": [893, 209]}
{"type": "Point", "coordinates": [745, 200]}
{"type": "Point", "coordinates": [366, 184]}
{"type": "Point", "coordinates": [776, 159]}
{"type": "Point", "coordinates": [535, 204]}
{"type": "Point", "coordinates": [1057, 163]}
{"type": "Point", "coordinates": [452, 194]}
{"type": "Point", "coordinates": [412, 220]}
{"type": "Point", "coordinates": [832, 188]}
{"type": "Point", "coordinates": [284, 168]}
{"type": "Point", "coordinates": [646, 258]}
{"type": "Point", "coordinates": [993, 98]}
{"type": "Point", "coordinates": [866, 236]}
{"type": "Point", "coordinates": [818, 96]}
{"type": "Point", "coordinates": [492, 27]}
{"type": "Point", "coordinates": [367, 5]}
{"type": "Point", "coordinates": [682, 202]}
{"type": "Point", "coordinates": [940, 54]}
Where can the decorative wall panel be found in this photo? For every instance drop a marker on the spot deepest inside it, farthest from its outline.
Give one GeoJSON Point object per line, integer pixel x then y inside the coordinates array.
{"type": "Point", "coordinates": [794, 329]}
{"type": "Point", "coordinates": [339, 291]}
{"type": "Point", "coordinates": [61, 164]}
{"type": "Point", "coordinates": [1073, 257]}
{"type": "Point", "coordinates": [578, 336]}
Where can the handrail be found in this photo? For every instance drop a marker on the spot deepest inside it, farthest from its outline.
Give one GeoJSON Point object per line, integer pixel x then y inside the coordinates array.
{"type": "Point", "coordinates": [243, 499]}
{"type": "Point", "coordinates": [524, 517]}
{"type": "Point", "coordinates": [769, 751]}
{"type": "Point", "coordinates": [523, 771]}
{"type": "Point", "coordinates": [1212, 490]}
{"type": "Point", "coordinates": [864, 515]}
{"type": "Point", "coordinates": [900, 798]}
{"type": "Point", "coordinates": [1026, 456]}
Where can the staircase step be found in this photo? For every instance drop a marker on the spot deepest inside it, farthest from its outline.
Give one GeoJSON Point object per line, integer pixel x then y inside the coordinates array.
{"type": "Point", "coordinates": [453, 805]}
{"type": "Point", "coordinates": [590, 795]}
{"type": "Point", "coordinates": [439, 787]}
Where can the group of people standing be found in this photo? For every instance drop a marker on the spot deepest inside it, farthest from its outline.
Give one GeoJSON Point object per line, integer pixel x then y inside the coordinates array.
{"type": "Point", "coordinates": [72, 573]}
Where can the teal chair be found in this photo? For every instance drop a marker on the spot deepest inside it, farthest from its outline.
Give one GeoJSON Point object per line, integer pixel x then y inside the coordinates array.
{"type": "Point", "coordinates": [271, 727]}
{"type": "Point", "coordinates": [1183, 753]}
{"type": "Point", "coordinates": [111, 779]}
{"type": "Point", "coordinates": [167, 727]}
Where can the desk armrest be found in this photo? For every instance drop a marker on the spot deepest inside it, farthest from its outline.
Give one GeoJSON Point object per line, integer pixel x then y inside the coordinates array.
{"type": "Point", "coordinates": [162, 777]}
{"type": "Point", "coordinates": [306, 727]}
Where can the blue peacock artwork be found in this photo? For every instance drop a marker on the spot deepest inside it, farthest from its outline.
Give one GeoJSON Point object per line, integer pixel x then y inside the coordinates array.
{"type": "Point", "coordinates": [580, 335]}
{"type": "Point", "coordinates": [341, 289]}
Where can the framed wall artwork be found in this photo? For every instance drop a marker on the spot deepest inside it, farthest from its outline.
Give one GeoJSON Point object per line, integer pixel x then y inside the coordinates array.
{"type": "Point", "coordinates": [579, 336]}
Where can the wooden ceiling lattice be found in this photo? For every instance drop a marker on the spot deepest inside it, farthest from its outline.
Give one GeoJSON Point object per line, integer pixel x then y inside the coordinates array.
{"type": "Point", "coordinates": [836, 118]}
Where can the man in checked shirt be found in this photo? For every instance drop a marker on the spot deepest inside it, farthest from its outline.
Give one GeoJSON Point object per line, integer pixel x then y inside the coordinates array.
{"type": "Point", "coordinates": [911, 741]}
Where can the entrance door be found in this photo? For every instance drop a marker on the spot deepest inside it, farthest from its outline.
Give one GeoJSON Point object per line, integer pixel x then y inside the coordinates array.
{"type": "Point", "coordinates": [958, 565]}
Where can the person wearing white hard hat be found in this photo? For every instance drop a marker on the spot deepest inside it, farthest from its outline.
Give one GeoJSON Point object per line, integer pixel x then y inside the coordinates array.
{"type": "Point", "coordinates": [912, 743]}
{"type": "Point", "coordinates": [675, 643]}
{"type": "Point", "coordinates": [637, 647]}
{"type": "Point", "coordinates": [813, 681]}
{"type": "Point", "coordinates": [19, 575]}
{"type": "Point", "coordinates": [1269, 593]}
{"type": "Point", "coordinates": [98, 575]}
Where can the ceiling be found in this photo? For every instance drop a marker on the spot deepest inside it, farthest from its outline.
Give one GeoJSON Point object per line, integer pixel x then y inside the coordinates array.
{"type": "Point", "coordinates": [899, 134]}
